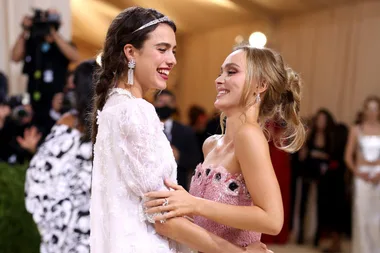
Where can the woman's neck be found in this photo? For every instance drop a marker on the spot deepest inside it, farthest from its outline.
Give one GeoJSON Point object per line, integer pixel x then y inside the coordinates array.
{"type": "Point", "coordinates": [371, 122]}
{"type": "Point", "coordinates": [236, 120]}
{"type": "Point", "coordinates": [135, 89]}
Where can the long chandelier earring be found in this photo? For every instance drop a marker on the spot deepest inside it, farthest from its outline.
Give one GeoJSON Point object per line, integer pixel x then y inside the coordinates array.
{"type": "Point", "coordinates": [131, 67]}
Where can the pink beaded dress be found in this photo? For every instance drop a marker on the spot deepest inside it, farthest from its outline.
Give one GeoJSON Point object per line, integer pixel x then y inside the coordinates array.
{"type": "Point", "coordinates": [217, 184]}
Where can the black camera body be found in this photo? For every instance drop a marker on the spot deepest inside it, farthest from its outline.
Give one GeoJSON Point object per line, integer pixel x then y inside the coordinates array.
{"type": "Point", "coordinates": [17, 104]}
{"type": "Point", "coordinates": [43, 21]}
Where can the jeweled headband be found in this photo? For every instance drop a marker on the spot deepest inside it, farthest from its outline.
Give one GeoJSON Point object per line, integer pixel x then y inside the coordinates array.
{"type": "Point", "coordinates": [153, 22]}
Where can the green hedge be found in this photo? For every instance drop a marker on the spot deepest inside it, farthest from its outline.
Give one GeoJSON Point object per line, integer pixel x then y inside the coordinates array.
{"type": "Point", "coordinates": [18, 232]}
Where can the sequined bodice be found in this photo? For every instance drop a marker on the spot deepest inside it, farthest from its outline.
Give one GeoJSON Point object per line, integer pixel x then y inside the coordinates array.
{"type": "Point", "coordinates": [217, 184]}
{"type": "Point", "coordinates": [370, 147]}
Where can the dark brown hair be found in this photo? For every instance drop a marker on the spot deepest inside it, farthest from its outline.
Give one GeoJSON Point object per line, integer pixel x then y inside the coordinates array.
{"type": "Point", "coordinates": [113, 60]}
{"type": "Point", "coordinates": [84, 90]}
{"type": "Point", "coordinates": [328, 132]}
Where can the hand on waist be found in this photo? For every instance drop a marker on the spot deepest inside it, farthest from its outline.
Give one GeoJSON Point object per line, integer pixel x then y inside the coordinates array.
{"type": "Point", "coordinates": [363, 162]}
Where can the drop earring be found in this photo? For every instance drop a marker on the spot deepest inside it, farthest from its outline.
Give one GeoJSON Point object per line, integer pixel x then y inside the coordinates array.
{"type": "Point", "coordinates": [258, 99]}
{"type": "Point", "coordinates": [131, 67]}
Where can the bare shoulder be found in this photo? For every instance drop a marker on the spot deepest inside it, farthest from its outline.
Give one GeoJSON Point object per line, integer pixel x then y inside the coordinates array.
{"type": "Point", "coordinates": [210, 143]}
{"type": "Point", "coordinates": [67, 119]}
{"type": "Point", "coordinates": [249, 134]}
{"type": "Point", "coordinates": [355, 129]}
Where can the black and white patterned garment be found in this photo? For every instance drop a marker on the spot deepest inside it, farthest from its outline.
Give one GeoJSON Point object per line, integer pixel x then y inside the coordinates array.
{"type": "Point", "coordinates": [57, 191]}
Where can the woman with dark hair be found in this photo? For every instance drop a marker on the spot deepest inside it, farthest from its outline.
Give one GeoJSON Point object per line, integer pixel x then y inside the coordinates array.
{"type": "Point", "coordinates": [332, 191]}
{"type": "Point", "coordinates": [319, 148]}
{"type": "Point", "coordinates": [234, 192]}
{"type": "Point", "coordinates": [57, 187]}
{"type": "Point", "coordinates": [132, 155]}
{"type": "Point", "coordinates": [363, 159]}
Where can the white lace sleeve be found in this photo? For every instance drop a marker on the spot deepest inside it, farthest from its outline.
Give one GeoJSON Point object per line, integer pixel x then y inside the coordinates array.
{"type": "Point", "coordinates": [144, 154]}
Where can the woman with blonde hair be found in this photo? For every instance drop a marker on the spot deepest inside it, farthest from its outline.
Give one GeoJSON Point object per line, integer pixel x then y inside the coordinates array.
{"type": "Point", "coordinates": [132, 155]}
{"type": "Point", "coordinates": [235, 193]}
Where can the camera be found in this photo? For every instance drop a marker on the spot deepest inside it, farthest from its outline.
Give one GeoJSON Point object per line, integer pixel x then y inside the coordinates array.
{"type": "Point", "coordinates": [19, 113]}
{"type": "Point", "coordinates": [20, 108]}
{"type": "Point", "coordinates": [42, 22]}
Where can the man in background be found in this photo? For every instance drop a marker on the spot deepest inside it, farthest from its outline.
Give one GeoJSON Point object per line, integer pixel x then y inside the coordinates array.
{"type": "Point", "coordinates": [182, 138]}
{"type": "Point", "coordinates": [46, 56]}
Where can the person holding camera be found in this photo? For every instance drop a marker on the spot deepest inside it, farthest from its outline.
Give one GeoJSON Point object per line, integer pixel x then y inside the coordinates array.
{"type": "Point", "coordinates": [46, 55]}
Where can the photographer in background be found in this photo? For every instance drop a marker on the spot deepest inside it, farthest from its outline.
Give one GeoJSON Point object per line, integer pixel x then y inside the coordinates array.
{"type": "Point", "coordinates": [46, 57]}
{"type": "Point", "coordinates": [15, 122]}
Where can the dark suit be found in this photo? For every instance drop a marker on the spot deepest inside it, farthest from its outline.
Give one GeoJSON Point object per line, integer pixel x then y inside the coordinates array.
{"type": "Point", "coordinates": [185, 140]}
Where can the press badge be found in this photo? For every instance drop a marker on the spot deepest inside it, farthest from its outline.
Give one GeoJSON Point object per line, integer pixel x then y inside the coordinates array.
{"type": "Point", "coordinates": [48, 76]}
{"type": "Point", "coordinates": [45, 47]}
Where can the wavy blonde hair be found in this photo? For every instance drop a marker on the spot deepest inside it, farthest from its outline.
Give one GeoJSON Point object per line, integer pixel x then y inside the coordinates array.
{"type": "Point", "coordinates": [280, 103]}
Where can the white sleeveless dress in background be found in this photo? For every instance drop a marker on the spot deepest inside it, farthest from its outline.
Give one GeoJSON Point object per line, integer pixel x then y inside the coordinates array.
{"type": "Point", "coordinates": [366, 230]}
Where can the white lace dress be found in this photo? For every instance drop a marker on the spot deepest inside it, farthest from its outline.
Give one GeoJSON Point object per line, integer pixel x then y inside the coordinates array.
{"type": "Point", "coordinates": [131, 157]}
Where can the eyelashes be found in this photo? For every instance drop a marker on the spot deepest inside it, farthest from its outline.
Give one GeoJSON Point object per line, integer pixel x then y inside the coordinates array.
{"type": "Point", "coordinates": [163, 50]}
{"type": "Point", "coordinates": [229, 73]}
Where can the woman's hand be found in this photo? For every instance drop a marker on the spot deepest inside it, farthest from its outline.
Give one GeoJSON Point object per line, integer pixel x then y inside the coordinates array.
{"type": "Point", "coordinates": [363, 176]}
{"type": "Point", "coordinates": [257, 247]}
{"type": "Point", "coordinates": [319, 154]}
{"type": "Point", "coordinates": [376, 179]}
{"type": "Point", "coordinates": [174, 203]}
{"type": "Point", "coordinates": [30, 139]}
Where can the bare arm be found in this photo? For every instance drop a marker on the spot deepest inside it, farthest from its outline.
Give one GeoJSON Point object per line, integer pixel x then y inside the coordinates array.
{"type": "Point", "coordinates": [69, 51]}
{"type": "Point", "coordinates": [195, 237]}
{"type": "Point", "coordinates": [143, 173]}
{"type": "Point", "coordinates": [252, 152]}
{"type": "Point", "coordinates": [350, 149]}
{"type": "Point", "coordinates": [183, 231]}
{"type": "Point", "coordinates": [18, 50]}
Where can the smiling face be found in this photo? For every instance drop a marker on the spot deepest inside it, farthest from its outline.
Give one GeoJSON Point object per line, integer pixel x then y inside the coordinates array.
{"type": "Point", "coordinates": [155, 59]}
{"type": "Point", "coordinates": [230, 82]}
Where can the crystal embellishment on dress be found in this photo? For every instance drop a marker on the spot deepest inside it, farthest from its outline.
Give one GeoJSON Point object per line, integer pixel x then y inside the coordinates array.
{"type": "Point", "coordinates": [233, 186]}
{"type": "Point", "coordinates": [221, 186]}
